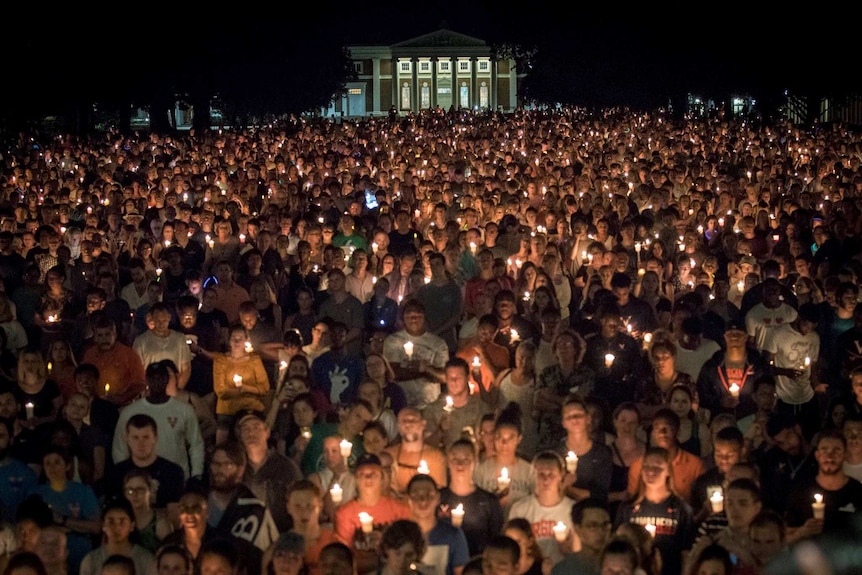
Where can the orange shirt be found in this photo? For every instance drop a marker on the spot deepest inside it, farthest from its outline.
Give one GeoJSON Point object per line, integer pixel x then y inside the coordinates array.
{"type": "Point", "coordinates": [498, 354]}
{"type": "Point", "coordinates": [254, 380]}
{"type": "Point", "coordinates": [404, 467]}
{"type": "Point", "coordinates": [120, 368]}
{"type": "Point", "coordinates": [685, 469]}
{"type": "Point", "coordinates": [228, 299]}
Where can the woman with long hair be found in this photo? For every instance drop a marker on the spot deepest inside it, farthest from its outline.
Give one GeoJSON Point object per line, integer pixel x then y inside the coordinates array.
{"type": "Point", "coordinates": [694, 435]}
{"type": "Point", "coordinates": [39, 398]}
{"type": "Point", "coordinates": [657, 505]}
{"type": "Point", "coordinates": [118, 538]}
{"type": "Point", "coordinates": [518, 385]}
{"type": "Point", "coordinates": [653, 390]}
{"type": "Point", "coordinates": [304, 317]}
{"type": "Point", "coordinates": [519, 472]}
{"type": "Point", "coordinates": [61, 366]}
{"type": "Point", "coordinates": [627, 446]}
{"type": "Point", "coordinates": [152, 524]}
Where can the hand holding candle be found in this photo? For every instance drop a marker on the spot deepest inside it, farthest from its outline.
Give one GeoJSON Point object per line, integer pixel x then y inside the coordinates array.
{"type": "Point", "coordinates": [423, 468]}
{"type": "Point", "coordinates": [336, 493]}
{"type": "Point", "coordinates": [450, 404]}
{"type": "Point", "coordinates": [504, 480]}
{"type": "Point", "coordinates": [367, 522]}
{"type": "Point", "coordinates": [572, 462]}
{"type": "Point", "coordinates": [716, 500]}
{"type": "Point", "coordinates": [237, 380]}
{"type": "Point", "coordinates": [346, 448]}
{"type": "Point", "coordinates": [408, 349]}
{"type": "Point", "coordinates": [818, 508]}
{"type": "Point", "coordinates": [560, 531]}
{"type": "Point", "coordinates": [458, 515]}
{"type": "Point", "coordinates": [609, 360]}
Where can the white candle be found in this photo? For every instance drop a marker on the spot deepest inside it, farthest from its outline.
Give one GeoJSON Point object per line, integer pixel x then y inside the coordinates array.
{"type": "Point", "coordinates": [477, 363]}
{"type": "Point", "coordinates": [107, 388]}
{"type": "Point", "coordinates": [504, 480]}
{"type": "Point", "coordinates": [450, 404]}
{"type": "Point", "coordinates": [609, 359]}
{"type": "Point", "coordinates": [560, 531]}
{"type": "Point", "coordinates": [374, 247]}
{"type": "Point", "coordinates": [716, 500]}
{"type": "Point", "coordinates": [423, 468]}
{"type": "Point", "coordinates": [818, 507]}
{"type": "Point", "coordinates": [473, 248]}
{"type": "Point", "coordinates": [306, 432]}
{"type": "Point", "coordinates": [346, 448]}
{"type": "Point", "coordinates": [336, 492]}
{"type": "Point", "coordinates": [807, 362]}
{"type": "Point", "coordinates": [571, 462]}
{"type": "Point", "coordinates": [408, 349]}
{"type": "Point", "coordinates": [237, 380]}
{"type": "Point", "coordinates": [29, 407]}
{"type": "Point", "coordinates": [650, 528]}
{"type": "Point", "coordinates": [526, 296]}
{"type": "Point", "coordinates": [513, 336]}
{"type": "Point", "coordinates": [734, 389]}
{"type": "Point", "coordinates": [367, 522]}
{"type": "Point", "coordinates": [159, 272]}
{"type": "Point", "coordinates": [458, 515]}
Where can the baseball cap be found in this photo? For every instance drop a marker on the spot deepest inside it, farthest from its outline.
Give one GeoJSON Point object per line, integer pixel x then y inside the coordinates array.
{"type": "Point", "coordinates": [734, 324]}
{"type": "Point", "coordinates": [246, 415]}
{"type": "Point", "coordinates": [367, 459]}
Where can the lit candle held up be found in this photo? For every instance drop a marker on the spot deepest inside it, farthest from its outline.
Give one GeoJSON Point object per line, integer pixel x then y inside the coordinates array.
{"type": "Point", "coordinates": [336, 493]}
{"type": "Point", "coordinates": [107, 388]}
{"type": "Point", "coordinates": [423, 468]}
{"type": "Point", "coordinates": [29, 408]}
{"type": "Point", "coordinates": [458, 515]}
{"type": "Point", "coordinates": [237, 380]}
{"type": "Point", "coordinates": [716, 500]}
{"type": "Point", "coordinates": [305, 432]}
{"type": "Point", "coordinates": [734, 389]}
{"type": "Point", "coordinates": [450, 404]}
{"type": "Point", "coordinates": [513, 336]}
{"type": "Point", "coordinates": [818, 508]}
{"type": "Point", "coordinates": [346, 448]}
{"type": "Point", "coordinates": [560, 531]}
{"type": "Point", "coordinates": [609, 360]}
{"type": "Point", "coordinates": [408, 349]}
{"type": "Point", "coordinates": [504, 480]}
{"type": "Point", "coordinates": [248, 347]}
{"type": "Point", "coordinates": [367, 522]}
{"type": "Point", "coordinates": [572, 462]}
{"type": "Point", "coordinates": [650, 528]}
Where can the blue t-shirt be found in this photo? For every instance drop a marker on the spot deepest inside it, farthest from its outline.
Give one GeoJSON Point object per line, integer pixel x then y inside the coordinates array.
{"type": "Point", "coordinates": [447, 549]}
{"type": "Point", "coordinates": [17, 480]}
{"type": "Point", "coordinates": [76, 501]}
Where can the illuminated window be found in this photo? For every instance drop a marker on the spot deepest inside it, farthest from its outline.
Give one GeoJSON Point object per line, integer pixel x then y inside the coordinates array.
{"type": "Point", "coordinates": [463, 65]}
{"type": "Point", "coordinates": [424, 66]}
{"type": "Point", "coordinates": [405, 96]}
{"type": "Point", "coordinates": [464, 95]}
{"type": "Point", "coordinates": [444, 66]}
{"type": "Point", "coordinates": [425, 94]}
{"type": "Point", "coordinates": [484, 66]}
{"type": "Point", "coordinates": [483, 95]}
{"type": "Point", "coordinates": [405, 66]}
{"type": "Point", "coordinates": [355, 91]}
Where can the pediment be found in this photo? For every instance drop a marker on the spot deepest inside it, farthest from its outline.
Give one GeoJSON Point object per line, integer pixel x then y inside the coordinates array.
{"type": "Point", "coordinates": [442, 38]}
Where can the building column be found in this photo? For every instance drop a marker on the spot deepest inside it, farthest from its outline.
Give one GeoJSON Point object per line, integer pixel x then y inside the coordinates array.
{"type": "Point", "coordinates": [513, 85]}
{"type": "Point", "coordinates": [434, 82]}
{"type": "Point", "coordinates": [414, 100]}
{"type": "Point", "coordinates": [474, 89]}
{"type": "Point", "coordinates": [375, 85]}
{"type": "Point", "coordinates": [492, 102]}
{"type": "Point", "coordinates": [456, 89]}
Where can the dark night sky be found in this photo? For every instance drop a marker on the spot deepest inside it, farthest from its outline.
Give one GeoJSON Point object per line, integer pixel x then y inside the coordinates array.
{"type": "Point", "coordinates": [601, 46]}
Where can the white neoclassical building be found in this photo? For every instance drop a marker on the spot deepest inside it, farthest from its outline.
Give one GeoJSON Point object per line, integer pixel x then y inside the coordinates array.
{"type": "Point", "coordinates": [440, 69]}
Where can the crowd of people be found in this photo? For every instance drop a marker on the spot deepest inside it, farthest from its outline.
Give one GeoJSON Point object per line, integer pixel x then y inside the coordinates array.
{"type": "Point", "coordinates": [540, 343]}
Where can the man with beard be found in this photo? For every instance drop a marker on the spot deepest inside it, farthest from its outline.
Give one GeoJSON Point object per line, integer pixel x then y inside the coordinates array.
{"type": "Point", "coordinates": [121, 371]}
{"type": "Point", "coordinates": [841, 494]}
{"type": "Point", "coordinates": [234, 511]}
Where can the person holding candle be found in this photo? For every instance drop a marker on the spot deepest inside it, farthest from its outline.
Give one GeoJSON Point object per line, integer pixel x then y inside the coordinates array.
{"type": "Point", "coordinates": [401, 546]}
{"type": "Point", "coordinates": [352, 420]}
{"type": "Point", "coordinates": [735, 364]}
{"type": "Point", "coordinates": [520, 477]}
{"type": "Point", "coordinates": [412, 449]}
{"type": "Point", "coordinates": [446, 422]}
{"type": "Point", "coordinates": [591, 523]}
{"type": "Point", "coordinates": [35, 388]}
{"type": "Point", "coordinates": [614, 356]}
{"type": "Point", "coordinates": [120, 368]}
{"type": "Point", "coordinates": [304, 507]}
{"type": "Point", "coordinates": [513, 328]}
{"type": "Point", "coordinates": [334, 473]}
{"type": "Point", "coordinates": [589, 465]}
{"type": "Point", "coordinates": [493, 357]}
{"type": "Point", "coordinates": [446, 552]}
{"type": "Point", "coordinates": [839, 494]}
{"type": "Point", "coordinates": [483, 516]}
{"type": "Point", "coordinates": [547, 506]}
{"type": "Point", "coordinates": [653, 390]}
{"type": "Point", "coordinates": [530, 560]}
{"type": "Point", "coordinates": [656, 503]}
{"type": "Point", "coordinates": [793, 351]}
{"type": "Point", "coordinates": [160, 342]}
{"type": "Point", "coordinates": [742, 504]}
{"type": "Point", "coordinates": [379, 512]}
{"type": "Point", "coordinates": [240, 380]}
{"type": "Point", "coordinates": [417, 357]}
{"type": "Point", "coordinates": [728, 450]}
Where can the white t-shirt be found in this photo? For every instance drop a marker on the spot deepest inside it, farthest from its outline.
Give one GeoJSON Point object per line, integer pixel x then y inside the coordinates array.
{"type": "Point", "coordinates": [153, 348]}
{"type": "Point", "coordinates": [543, 519]}
{"type": "Point", "coordinates": [760, 320]}
{"type": "Point", "coordinates": [421, 391]}
{"type": "Point", "coordinates": [790, 349]}
{"type": "Point", "coordinates": [522, 474]}
{"type": "Point", "coordinates": [691, 360]}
